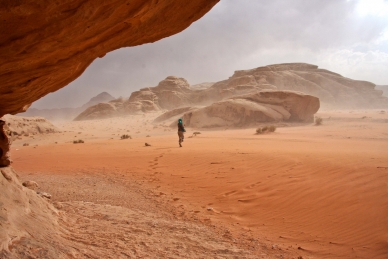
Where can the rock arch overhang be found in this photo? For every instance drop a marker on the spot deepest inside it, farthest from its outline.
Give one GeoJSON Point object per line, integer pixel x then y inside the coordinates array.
{"type": "Point", "coordinates": [45, 44]}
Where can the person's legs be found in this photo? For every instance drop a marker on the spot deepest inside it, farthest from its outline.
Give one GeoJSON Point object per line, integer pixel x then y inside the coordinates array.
{"type": "Point", "coordinates": [181, 136]}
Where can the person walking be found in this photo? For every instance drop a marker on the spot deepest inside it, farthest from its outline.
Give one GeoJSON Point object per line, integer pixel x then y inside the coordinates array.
{"type": "Point", "coordinates": [181, 131]}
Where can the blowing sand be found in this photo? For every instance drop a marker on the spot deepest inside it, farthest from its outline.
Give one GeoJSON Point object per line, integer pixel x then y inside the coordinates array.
{"type": "Point", "coordinates": [304, 191]}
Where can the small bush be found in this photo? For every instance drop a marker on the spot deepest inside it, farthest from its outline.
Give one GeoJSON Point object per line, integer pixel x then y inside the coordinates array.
{"type": "Point", "coordinates": [125, 136]}
{"type": "Point", "coordinates": [266, 129]}
{"type": "Point", "coordinates": [318, 121]}
{"type": "Point", "coordinates": [26, 145]}
{"type": "Point", "coordinates": [78, 141]}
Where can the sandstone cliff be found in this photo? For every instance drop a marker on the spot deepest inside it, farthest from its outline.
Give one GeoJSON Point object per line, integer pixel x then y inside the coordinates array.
{"type": "Point", "coordinates": [44, 45]}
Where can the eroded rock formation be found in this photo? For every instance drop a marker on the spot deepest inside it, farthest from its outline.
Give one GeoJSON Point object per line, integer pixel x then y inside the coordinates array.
{"type": "Point", "coordinates": [5, 143]}
{"type": "Point", "coordinates": [248, 110]}
{"type": "Point", "coordinates": [22, 217]}
{"type": "Point", "coordinates": [26, 126]}
{"type": "Point", "coordinates": [333, 90]}
{"type": "Point", "coordinates": [44, 45]}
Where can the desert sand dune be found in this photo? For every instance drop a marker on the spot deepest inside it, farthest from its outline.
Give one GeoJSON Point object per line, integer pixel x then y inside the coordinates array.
{"type": "Point", "coordinates": [304, 191]}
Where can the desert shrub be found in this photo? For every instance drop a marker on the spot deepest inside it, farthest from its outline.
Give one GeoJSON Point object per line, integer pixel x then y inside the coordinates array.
{"type": "Point", "coordinates": [266, 129]}
{"type": "Point", "coordinates": [318, 121]}
{"type": "Point", "coordinates": [25, 144]}
{"type": "Point", "coordinates": [125, 136]}
{"type": "Point", "coordinates": [78, 141]}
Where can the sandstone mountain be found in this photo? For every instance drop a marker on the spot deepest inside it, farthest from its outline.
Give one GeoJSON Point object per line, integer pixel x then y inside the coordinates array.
{"type": "Point", "coordinates": [67, 113]}
{"type": "Point", "coordinates": [333, 90]}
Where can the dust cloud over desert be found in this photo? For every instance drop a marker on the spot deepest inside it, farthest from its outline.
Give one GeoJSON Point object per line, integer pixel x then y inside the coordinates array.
{"type": "Point", "coordinates": [285, 152]}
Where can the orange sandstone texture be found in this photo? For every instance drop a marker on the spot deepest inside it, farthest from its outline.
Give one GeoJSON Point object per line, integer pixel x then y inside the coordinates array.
{"type": "Point", "coordinates": [44, 45]}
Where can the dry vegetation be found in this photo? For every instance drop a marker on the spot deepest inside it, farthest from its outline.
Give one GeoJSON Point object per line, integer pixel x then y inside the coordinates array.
{"type": "Point", "coordinates": [266, 129]}
{"type": "Point", "coordinates": [125, 136]}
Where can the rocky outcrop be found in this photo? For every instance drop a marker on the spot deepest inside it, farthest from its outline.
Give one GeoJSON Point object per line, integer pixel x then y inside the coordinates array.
{"type": "Point", "coordinates": [47, 44]}
{"type": "Point", "coordinates": [5, 143]}
{"type": "Point", "coordinates": [334, 90]}
{"type": "Point", "coordinates": [248, 110]}
{"type": "Point", "coordinates": [173, 92]}
{"type": "Point", "coordinates": [25, 126]}
{"type": "Point", "coordinates": [28, 223]}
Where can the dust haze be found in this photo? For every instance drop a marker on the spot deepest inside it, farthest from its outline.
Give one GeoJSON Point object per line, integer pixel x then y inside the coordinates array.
{"type": "Point", "coordinates": [284, 151]}
{"type": "Point", "coordinates": [339, 35]}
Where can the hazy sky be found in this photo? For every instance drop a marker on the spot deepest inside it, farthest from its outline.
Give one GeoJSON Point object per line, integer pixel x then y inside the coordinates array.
{"type": "Point", "coordinates": [349, 37]}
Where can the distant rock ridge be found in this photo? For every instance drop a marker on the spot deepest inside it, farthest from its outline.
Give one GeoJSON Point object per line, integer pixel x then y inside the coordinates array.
{"type": "Point", "coordinates": [66, 113]}
{"type": "Point", "coordinates": [333, 90]}
{"type": "Point", "coordinates": [100, 98]}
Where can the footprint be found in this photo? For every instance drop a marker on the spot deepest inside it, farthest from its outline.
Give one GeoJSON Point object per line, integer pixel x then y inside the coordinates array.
{"type": "Point", "coordinates": [230, 193]}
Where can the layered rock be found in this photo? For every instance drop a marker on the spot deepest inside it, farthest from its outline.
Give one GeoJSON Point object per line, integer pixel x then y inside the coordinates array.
{"type": "Point", "coordinates": [45, 45]}
{"type": "Point", "coordinates": [248, 110]}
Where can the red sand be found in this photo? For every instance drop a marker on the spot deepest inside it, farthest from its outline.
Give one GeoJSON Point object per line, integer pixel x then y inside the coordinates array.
{"type": "Point", "coordinates": [314, 191]}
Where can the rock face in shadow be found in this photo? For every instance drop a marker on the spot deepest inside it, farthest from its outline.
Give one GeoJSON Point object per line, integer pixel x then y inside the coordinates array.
{"type": "Point", "coordinates": [248, 110]}
{"type": "Point", "coordinates": [44, 45]}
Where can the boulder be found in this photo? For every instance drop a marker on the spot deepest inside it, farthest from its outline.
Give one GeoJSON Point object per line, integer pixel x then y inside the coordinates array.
{"type": "Point", "coordinates": [30, 185]}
